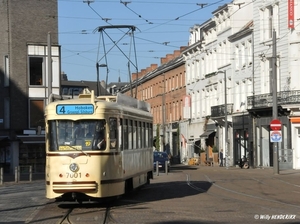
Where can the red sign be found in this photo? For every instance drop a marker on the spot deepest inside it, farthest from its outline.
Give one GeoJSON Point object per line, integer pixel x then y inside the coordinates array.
{"type": "Point", "coordinates": [291, 13]}
{"type": "Point", "coordinates": [275, 125]}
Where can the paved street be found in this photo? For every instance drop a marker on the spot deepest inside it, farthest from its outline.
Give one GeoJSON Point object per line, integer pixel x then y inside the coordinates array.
{"type": "Point", "coordinates": [188, 194]}
{"type": "Point", "coordinates": [20, 202]}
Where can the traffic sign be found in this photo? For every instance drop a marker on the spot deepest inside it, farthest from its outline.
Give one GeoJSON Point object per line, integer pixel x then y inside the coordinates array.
{"type": "Point", "coordinates": [275, 136]}
{"type": "Point", "coordinates": [275, 125]}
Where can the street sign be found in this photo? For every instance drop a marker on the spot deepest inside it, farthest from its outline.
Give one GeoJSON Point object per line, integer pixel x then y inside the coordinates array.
{"type": "Point", "coordinates": [275, 125]}
{"type": "Point", "coordinates": [275, 136]}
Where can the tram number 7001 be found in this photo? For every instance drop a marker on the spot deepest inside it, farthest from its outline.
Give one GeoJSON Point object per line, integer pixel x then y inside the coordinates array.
{"type": "Point", "coordinates": [73, 175]}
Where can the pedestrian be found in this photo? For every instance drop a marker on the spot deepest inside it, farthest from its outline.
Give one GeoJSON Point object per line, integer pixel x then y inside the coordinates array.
{"type": "Point", "coordinates": [221, 157]}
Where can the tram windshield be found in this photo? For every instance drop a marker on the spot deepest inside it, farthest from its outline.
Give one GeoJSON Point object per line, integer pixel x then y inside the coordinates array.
{"type": "Point", "coordinates": [83, 135]}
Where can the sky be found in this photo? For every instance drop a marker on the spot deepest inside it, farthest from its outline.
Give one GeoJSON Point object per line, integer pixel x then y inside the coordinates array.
{"type": "Point", "coordinates": [100, 31]}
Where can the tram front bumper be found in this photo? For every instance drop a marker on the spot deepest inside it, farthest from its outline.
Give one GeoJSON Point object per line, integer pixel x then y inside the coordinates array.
{"type": "Point", "coordinates": [80, 186]}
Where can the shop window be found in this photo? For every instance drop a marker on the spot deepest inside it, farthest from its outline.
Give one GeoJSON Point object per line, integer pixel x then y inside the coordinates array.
{"type": "Point", "coordinates": [32, 155]}
{"type": "Point", "coordinates": [36, 71]}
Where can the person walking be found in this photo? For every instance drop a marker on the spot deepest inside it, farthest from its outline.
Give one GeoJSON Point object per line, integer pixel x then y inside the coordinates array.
{"type": "Point", "coordinates": [221, 157]}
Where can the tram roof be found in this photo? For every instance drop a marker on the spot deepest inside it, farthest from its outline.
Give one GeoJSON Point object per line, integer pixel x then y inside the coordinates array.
{"type": "Point", "coordinates": [119, 99]}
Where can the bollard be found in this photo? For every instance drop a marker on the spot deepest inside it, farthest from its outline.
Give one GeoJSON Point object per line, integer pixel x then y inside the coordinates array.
{"type": "Point", "coordinates": [30, 173]}
{"type": "Point", "coordinates": [157, 169]}
{"type": "Point", "coordinates": [1, 175]}
{"type": "Point", "coordinates": [16, 174]}
{"type": "Point", "coordinates": [166, 167]}
{"type": "Point", "coordinates": [19, 174]}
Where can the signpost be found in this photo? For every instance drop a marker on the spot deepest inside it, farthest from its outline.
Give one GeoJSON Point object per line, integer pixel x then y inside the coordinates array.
{"type": "Point", "coordinates": [275, 125]}
{"type": "Point", "coordinates": [275, 103]}
{"type": "Point", "coordinates": [275, 137]}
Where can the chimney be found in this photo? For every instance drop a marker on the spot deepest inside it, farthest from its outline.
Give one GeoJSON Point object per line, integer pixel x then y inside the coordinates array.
{"type": "Point", "coordinates": [153, 66]}
{"type": "Point", "coordinates": [134, 76]}
{"type": "Point", "coordinates": [169, 57]}
{"type": "Point", "coordinates": [143, 72]}
{"type": "Point", "coordinates": [177, 53]}
{"type": "Point", "coordinates": [182, 48]}
{"type": "Point", "coordinates": [163, 60]}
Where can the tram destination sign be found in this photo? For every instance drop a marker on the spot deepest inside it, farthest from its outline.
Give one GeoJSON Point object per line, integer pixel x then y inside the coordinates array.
{"type": "Point", "coordinates": [67, 109]}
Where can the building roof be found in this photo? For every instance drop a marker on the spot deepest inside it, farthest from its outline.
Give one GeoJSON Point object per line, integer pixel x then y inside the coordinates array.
{"type": "Point", "coordinates": [84, 84]}
{"type": "Point", "coordinates": [245, 30]}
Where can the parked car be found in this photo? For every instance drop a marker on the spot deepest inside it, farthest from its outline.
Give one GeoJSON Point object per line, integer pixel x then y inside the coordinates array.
{"type": "Point", "coordinates": [161, 158]}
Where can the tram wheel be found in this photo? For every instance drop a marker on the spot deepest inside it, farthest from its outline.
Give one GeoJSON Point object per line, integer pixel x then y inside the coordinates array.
{"type": "Point", "coordinates": [128, 186]}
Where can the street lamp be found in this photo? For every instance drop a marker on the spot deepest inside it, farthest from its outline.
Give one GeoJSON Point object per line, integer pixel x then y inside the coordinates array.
{"type": "Point", "coordinates": [97, 68]}
{"type": "Point", "coordinates": [163, 111]}
{"type": "Point", "coordinates": [225, 114]}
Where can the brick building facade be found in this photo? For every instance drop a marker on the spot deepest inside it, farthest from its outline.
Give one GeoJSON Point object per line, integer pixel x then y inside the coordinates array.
{"type": "Point", "coordinates": [163, 86]}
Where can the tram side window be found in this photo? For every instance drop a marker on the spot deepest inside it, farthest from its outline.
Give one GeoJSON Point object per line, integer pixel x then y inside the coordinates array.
{"type": "Point", "coordinates": [125, 134]}
{"type": "Point", "coordinates": [143, 135]}
{"type": "Point", "coordinates": [53, 146]}
{"type": "Point", "coordinates": [150, 134]}
{"type": "Point", "coordinates": [139, 136]}
{"type": "Point", "coordinates": [113, 132]}
{"type": "Point", "coordinates": [147, 135]}
{"type": "Point", "coordinates": [130, 134]}
{"type": "Point", "coordinates": [99, 138]}
{"type": "Point", "coordinates": [134, 132]}
{"type": "Point", "coordinates": [121, 139]}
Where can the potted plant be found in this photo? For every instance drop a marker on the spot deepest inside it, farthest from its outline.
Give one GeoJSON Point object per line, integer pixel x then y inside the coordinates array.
{"type": "Point", "coordinates": [202, 156]}
{"type": "Point", "coordinates": [215, 154]}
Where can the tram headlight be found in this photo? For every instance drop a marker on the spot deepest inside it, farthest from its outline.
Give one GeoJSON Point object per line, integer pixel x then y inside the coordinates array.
{"type": "Point", "coordinates": [74, 167]}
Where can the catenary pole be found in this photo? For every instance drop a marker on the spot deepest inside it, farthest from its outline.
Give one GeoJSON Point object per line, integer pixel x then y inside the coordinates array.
{"type": "Point", "coordinates": [274, 96]}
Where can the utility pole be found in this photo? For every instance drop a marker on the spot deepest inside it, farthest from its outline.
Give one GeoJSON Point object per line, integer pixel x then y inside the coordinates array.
{"type": "Point", "coordinates": [164, 112]}
{"type": "Point", "coordinates": [49, 66]}
{"type": "Point", "coordinates": [226, 122]}
{"type": "Point", "coordinates": [226, 119]}
{"type": "Point", "coordinates": [275, 106]}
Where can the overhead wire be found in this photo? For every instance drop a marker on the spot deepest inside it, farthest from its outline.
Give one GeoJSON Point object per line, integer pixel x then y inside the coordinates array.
{"type": "Point", "coordinates": [160, 43]}
{"type": "Point", "coordinates": [165, 43]}
{"type": "Point", "coordinates": [126, 3]}
{"type": "Point", "coordinates": [188, 13]}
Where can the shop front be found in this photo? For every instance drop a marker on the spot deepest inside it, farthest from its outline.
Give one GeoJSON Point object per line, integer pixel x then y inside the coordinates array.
{"type": "Point", "coordinates": [5, 157]}
{"type": "Point", "coordinates": [32, 153]}
{"type": "Point", "coordinates": [241, 137]}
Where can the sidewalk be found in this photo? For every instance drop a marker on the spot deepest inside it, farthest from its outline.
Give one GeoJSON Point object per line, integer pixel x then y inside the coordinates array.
{"type": "Point", "coordinates": [11, 179]}
{"type": "Point", "coordinates": [265, 170]}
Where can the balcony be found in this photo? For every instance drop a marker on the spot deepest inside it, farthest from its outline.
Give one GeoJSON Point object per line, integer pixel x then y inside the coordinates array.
{"type": "Point", "coordinates": [266, 100]}
{"type": "Point", "coordinates": [219, 111]}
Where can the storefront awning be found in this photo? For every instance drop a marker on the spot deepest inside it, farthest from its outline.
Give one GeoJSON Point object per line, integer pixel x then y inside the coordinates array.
{"type": "Point", "coordinates": [3, 138]}
{"type": "Point", "coordinates": [206, 133]}
{"type": "Point", "coordinates": [31, 139]}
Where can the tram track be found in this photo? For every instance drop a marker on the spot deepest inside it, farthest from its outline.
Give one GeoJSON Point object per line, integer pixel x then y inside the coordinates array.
{"type": "Point", "coordinates": [65, 219]}
{"type": "Point", "coordinates": [88, 214]}
{"type": "Point", "coordinates": [265, 202]}
{"type": "Point", "coordinates": [75, 213]}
